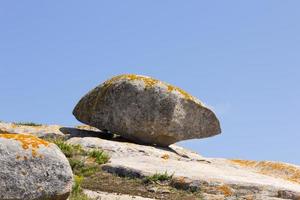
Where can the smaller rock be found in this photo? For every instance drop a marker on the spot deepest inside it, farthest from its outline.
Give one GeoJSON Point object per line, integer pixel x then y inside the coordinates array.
{"type": "Point", "coordinates": [32, 169]}
{"type": "Point", "coordinates": [112, 196]}
{"type": "Point", "coordinates": [285, 194]}
{"type": "Point", "coordinates": [159, 190]}
{"type": "Point", "coordinates": [41, 131]}
{"type": "Point", "coordinates": [152, 189]}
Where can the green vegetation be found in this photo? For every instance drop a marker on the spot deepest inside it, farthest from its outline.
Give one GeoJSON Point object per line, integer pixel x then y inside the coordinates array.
{"type": "Point", "coordinates": [88, 174]}
{"type": "Point", "coordinates": [77, 192]}
{"type": "Point", "coordinates": [77, 184]}
{"type": "Point", "coordinates": [27, 124]}
{"type": "Point", "coordinates": [69, 150]}
{"type": "Point", "coordinates": [114, 183]}
{"type": "Point", "coordinates": [159, 177]}
{"type": "Point", "coordinates": [75, 163]}
{"type": "Point", "coordinates": [80, 162]}
{"type": "Point", "coordinates": [78, 157]}
{"type": "Point", "coordinates": [100, 156]}
{"type": "Point", "coordinates": [86, 170]}
{"type": "Point", "coordinates": [80, 169]}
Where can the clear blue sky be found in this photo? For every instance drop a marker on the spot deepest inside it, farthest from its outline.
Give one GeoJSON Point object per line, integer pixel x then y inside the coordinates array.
{"type": "Point", "coordinates": [240, 57]}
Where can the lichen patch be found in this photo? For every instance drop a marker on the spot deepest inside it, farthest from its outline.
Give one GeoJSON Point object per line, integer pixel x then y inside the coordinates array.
{"type": "Point", "coordinates": [165, 156]}
{"type": "Point", "coordinates": [149, 82]}
{"type": "Point", "coordinates": [226, 190]}
{"type": "Point", "coordinates": [27, 142]}
{"type": "Point", "coordinates": [275, 169]}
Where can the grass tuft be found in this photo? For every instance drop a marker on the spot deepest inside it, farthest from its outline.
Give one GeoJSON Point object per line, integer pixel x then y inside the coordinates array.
{"type": "Point", "coordinates": [159, 177]}
{"type": "Point", "coordinates": [77, 157]}
{"type": "Point", "coordinates": [27, 124]}
{"type": "Point", "coordinates": [69, 150]}
{"type": "Point", "coordinates": [100, 156]}
{"type": "Point", "coordinates": [79, 162]}
{"type": "Point", "coordinates": [77, 192]}
{"type": "Point", "coordinates": [77, 184]}
{"type": "Point", "coordinates": [86, 171]}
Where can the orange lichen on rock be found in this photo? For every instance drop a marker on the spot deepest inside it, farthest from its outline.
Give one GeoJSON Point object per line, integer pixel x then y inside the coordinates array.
{"type": "Point", "coordinates": [181, 179]}
{"type": "Point", "coordinates": [149, 82]}
{"type": "Point", "coordinates": [275, 169]}
{"type": "Point", "coordinates": [27, 141]}
{"type": "Point", "coordinates": [226, 190]}
{"type": "Point", "coordinates": [165, 156]}
{"type": "Point", "coordinates": [245, 163]}
{"type": "Point", "coordinates": [250, 197]}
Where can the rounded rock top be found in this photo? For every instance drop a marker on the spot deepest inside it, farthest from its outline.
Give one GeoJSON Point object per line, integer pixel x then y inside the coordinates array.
{"type": "Point", "coordinates": [32, 168]}
{"type": "Point", "coordinates": [146, 110]}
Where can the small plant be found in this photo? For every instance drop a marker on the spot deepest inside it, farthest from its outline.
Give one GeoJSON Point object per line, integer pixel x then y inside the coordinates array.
{"type": "Point", "coordinates": [77, 192]}
{"type": "Point", "coordinates": [80, 169]}
{"type": "Point", "coordinates": [77, 156]}
{"type": "Point", "coordinates": [69, 150]}
{"type": "Point", "coordinates": [77, 184]}
{"type": "Point", "coordinates": [86, 170]}
{"type": "Point", "coordinates": [158, 177]}
{"type": "Point", "coordinates": [27, 124]}
{"type": "Point", "coordinates": [100, 156]}
{"type": "Point", "coordinates": [75, 163]}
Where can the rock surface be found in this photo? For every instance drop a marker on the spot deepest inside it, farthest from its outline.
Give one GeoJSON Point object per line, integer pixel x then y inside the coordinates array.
{"type": "Point", "coordinates": [217, 178]}
{"type": "Point", "coordinates": [147, 111]}
{"type": "Point", "coordinates": [41, 131]}
{"type": "Point", "coordinates": [111, 196]}
{"type": "Point", "coordinates": [46, 131]}
{"type": "Point", "coordinates": [32, 169]}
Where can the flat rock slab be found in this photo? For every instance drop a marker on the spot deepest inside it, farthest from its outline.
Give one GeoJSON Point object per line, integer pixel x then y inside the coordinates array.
{"type": "Point", "coordinates": [41, 131]}
{"type": "Point", "coordinates": [111, 196]}
{"type": "Point", "coordinates": [48, 131]}
{"type": "Point", "coordinates": [217, 178]}
{"type": "Point", "coordinates": [228, 178]}
{"type": "Point", "coordinates": [147, 111]}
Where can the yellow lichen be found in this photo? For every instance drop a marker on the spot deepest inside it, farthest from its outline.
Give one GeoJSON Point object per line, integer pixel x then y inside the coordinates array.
{"type": "Point", "coordinates": [181, 179]}
{"type": "Point", "coordinates": [226, 190]}
{"type": "Point", "coordinates": [245, 163]}
{"type": "Point", "coordinates": [165, 156]}
{"type": "Point", "coordinates": [182, 92]}
{"type": "Point", "coordinates": [149, 82]}
{"type": "Point", "coordinates": [275, 169]}
{"type": "Point", "coordinates": [27, 141]}
{"type": "Point", "coordinates": [250, 197]}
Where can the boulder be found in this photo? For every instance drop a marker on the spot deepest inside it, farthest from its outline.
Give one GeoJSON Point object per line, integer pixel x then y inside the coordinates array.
{"type": "Point", "coordinates": [146, 111]}
{"type": "Point", "coordinates": [32, 168]}
{"type": "Point", "coordinates": [40, 131]}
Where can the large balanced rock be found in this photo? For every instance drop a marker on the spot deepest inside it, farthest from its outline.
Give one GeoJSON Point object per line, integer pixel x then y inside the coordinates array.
{"type": "Point", "coordinates": [32, 169]}
{"type": "Point", "coordinates": [146, 110]}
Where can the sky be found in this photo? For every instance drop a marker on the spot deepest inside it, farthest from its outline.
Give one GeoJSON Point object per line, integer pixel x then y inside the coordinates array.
{"type": "Point", "coordinates": [242, 58]}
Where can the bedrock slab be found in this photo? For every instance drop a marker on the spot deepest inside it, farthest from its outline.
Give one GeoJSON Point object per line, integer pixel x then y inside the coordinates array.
{"type": "Point", "coordinates": [214, 176]}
